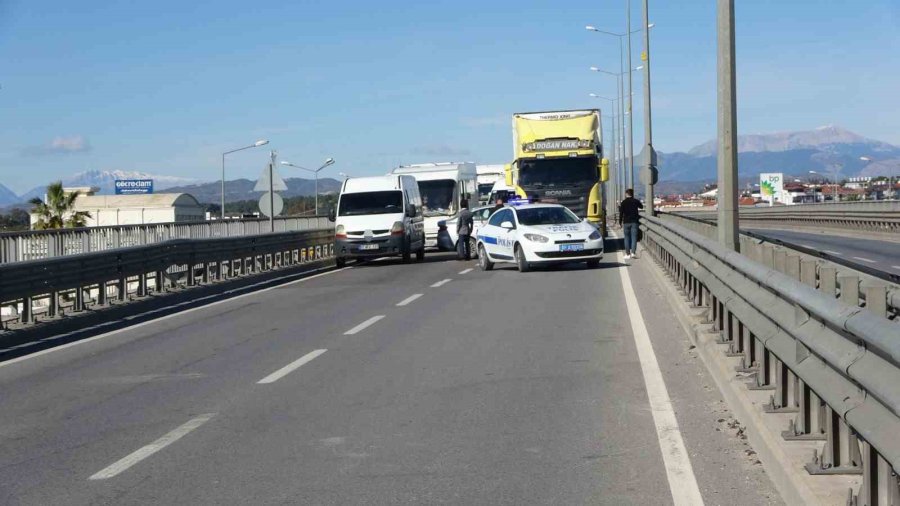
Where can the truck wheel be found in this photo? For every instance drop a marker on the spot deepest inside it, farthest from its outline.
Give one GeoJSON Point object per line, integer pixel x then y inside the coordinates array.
{"type": "Point", "coordinates": [420, 254]}
{"type": "Point", "coordinates": [520, 260]}
{"type": "Point", "coordinates": [483, 261]}
{"type": "Point", "coordinates": [340, 262]}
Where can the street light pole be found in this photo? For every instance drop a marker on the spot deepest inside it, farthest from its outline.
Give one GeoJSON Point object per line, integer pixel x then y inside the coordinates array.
{"type": "Point", "coordinates": [328, 162]}
{"type": "Point", "coordinates": [648, 128]}
{"type": "Point", "coordinates": [727, 166]}
{"type": "Point", "coordinates": [630, 114]}
{"type": "Point", "coordinates": [256, 144]}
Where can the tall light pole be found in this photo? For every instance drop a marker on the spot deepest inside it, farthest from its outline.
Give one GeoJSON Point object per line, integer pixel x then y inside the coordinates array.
{"type": "Point", "coordinates": [328, 161]}
{"type": "Point", "coordinates": [614, 133]}
{"type": "Point", "coordinates": [256, 144]}
{"type": "Point", "coordinates": [727, 166]}
{"type": "Point", "coordinates": [623, 111]}
{"type": "Point", "coordinates": [649, 161]}
{"type": "Point", "coordinates": [629, 110]}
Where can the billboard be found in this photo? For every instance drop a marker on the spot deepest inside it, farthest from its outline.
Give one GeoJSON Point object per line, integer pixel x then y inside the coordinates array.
{"type": "Point", "coordinates": [133, 186]}
{"type": "Point", "coordinates": [771, 186]}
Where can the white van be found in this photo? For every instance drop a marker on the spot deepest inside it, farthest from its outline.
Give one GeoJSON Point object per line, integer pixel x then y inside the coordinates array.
{"type": "Point", "coordinates": [442, 186]}
{"type": "Point", "coordinates": [378, 216]}
{"type": "Point", "coordinates": [487, 176]}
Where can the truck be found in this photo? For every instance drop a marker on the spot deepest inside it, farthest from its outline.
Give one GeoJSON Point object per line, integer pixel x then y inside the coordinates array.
{"type": "Point", "coordinates": [487, 176]}
{"type": "Point", "coordinates": [559, 158]}
{"type": "Point", "coordinates": [443, 187]}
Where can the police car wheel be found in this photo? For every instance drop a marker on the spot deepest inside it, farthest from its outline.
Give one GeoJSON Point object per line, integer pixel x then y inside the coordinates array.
{"type": "Point", "coordinates": [483, 261]}
{"type": "Point", "coordinates": [520, 260]}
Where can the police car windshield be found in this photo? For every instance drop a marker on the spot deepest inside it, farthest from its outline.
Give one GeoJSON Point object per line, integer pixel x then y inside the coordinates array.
{"type": "Point", "coordinates": [356, 204]}
{"type": "Point", "coordinates": [546, 216]}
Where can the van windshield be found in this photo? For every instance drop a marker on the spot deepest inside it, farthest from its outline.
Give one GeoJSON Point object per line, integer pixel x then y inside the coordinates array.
{"type": "Point", "coordinates": [438, 197]}
{"type": "Point", "coordinates": [385, 202]}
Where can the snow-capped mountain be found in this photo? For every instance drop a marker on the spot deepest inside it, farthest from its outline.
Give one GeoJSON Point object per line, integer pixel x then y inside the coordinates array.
{"type": "Point", "coordinates": [822, 139]}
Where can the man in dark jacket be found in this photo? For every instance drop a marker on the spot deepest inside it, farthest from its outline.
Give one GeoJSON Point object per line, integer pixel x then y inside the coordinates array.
{"type": "Point", "coordinates": [464, 226]}
{"type": "Point", "coordinates": [628, 218]}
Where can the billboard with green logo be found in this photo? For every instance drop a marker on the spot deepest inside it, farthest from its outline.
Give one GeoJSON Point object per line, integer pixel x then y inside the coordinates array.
{"type": "Point", "coordinates": [771, 187]}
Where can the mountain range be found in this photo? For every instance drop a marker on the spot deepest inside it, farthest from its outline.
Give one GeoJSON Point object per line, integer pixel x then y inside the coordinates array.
{"type": "Point", "coordinates": [823, 150]}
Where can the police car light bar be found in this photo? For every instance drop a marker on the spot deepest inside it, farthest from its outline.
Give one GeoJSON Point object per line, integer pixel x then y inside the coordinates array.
{"type": "Point", "coordinates": [518, 201]}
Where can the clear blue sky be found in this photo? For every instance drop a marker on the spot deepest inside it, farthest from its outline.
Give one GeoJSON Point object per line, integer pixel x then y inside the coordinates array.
{"type": "Point", "coordinates": [166, 86]}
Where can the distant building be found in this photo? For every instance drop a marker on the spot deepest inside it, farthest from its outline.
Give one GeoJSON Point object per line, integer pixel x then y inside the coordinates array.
{"type": "Point", "coordinates": [109, 210]}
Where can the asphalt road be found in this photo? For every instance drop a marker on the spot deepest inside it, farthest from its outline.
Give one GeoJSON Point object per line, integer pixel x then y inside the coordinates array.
{"type": "Point", "coordinates": [489, 388]}
{"type": "Point", "coordinates": [881, 255]}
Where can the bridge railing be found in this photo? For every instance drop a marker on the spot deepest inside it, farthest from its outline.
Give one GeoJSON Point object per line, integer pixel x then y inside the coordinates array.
{"type": "Point", "coordinates": [880, 217]}
{"type": "Point", "coordinates": [39, 244]}
{"type": "Point", "coordinates": [75, 281]}
{"type": "Point", "coordinates": [806, 338]}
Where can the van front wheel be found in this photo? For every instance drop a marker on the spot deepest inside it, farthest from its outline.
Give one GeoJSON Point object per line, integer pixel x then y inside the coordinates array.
{"type": "Point", "coordinates": [407, 256]}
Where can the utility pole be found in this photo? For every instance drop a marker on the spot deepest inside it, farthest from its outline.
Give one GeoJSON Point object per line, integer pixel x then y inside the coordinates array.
{"type": "Point", "coordinates": [630, 113]}
{"type": "Point", "coordinates": [272, 192]}
{"type": "Point", "coordinates": [727, 167]}
{"type": "Point", "coordinates": [649, 161]}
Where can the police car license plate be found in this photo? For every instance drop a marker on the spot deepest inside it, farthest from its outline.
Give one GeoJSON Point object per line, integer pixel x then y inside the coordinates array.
{"type": "Point", "coordinates": [368, 246]}
{"type": "Point", "coordinates": [571, 247]}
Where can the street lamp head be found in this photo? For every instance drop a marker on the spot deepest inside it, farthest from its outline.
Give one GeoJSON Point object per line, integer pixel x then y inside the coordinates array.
{"type": "Point", "coordinates": [813, 172]}
{"type": "Point", "coordinates": [261, 142]}
{"type": "Point", "coordinates": [639, 67]}
{"type": "Point", "coordinates": [284, 162]}
{"type": "Point", "coordinates": [865, 158]}
{"type": "Point", "coordinates": [595, 69]}
{"type": "Point", "coordinates": [591, 28]}
{"type": "Point", "coordinates": [651, 25]}
{"type": "Point", "coordinates": [329, 161]}
{"type": "Point", "coordinates": [593, 95]}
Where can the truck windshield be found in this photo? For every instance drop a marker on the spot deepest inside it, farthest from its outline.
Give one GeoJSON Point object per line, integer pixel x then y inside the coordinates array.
{"type": "Point", "coordinates": [438, 197]}
{"type": "Point", "coordinates": [484, 190]}
{"type": "Point", "coordinates": [558, 171]}
{"type": "Point", "coordinates": [546, 216]}
{"type": "Point", "coordinates": [385, 202]}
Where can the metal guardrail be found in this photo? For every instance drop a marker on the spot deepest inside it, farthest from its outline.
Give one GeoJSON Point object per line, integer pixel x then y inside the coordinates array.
{"type": "Point", "coordinates": [39, 244]}
{"type": "Point", "coordinates": [777, 253]}
{"type": "Point", "coordinates": [31, 286]}
{"type": "Point", "coordinates": [882, 216]}
{"type": "Point", "coordinates": [835, 364]}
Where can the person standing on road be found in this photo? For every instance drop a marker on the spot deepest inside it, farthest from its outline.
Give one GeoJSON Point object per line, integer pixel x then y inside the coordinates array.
{"type": "Point", "coordinates": [498, 205]}
{"type": "Point", "coordinates": [464, 226]}
{"type": "Point", "coordinates": [628, 218]}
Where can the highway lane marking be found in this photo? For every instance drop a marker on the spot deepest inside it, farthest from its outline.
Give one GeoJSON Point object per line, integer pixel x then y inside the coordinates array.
{"type": "Point", "coordinates": [861, 259]}
{"type": "Point", "coordinates": [164, 317]}
{"type": "Point", "coordinates": [363, 325]}
{"type": "Point", "coordinates": [142, 453]}
{"type": "Point", "coordinates": [682, 482]}
{"type": "Point", "coordinates": [440, 283]}
{"type": "Point", "coordinates": [465, 271]}
{"type": "Point", "coordinates": [293, 366]}
{"type": "Point", "coordinates": [832, 252]}
{"type": "Point", "coordinates": [409, 299]}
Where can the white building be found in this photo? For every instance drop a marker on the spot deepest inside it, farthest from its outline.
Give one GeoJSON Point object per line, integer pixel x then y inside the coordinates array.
{"type": "Point", "coordinates": [107, 210]}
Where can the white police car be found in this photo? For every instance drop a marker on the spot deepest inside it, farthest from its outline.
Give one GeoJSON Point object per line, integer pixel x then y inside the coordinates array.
{"type": "Point", "coordinates": [535, 234]}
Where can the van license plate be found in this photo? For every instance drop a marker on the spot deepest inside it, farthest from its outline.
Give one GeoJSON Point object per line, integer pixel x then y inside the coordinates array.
{"type": "Point", "coordinates": [571, 247]}
{"type": "Point", "coordinates": [368, 246]}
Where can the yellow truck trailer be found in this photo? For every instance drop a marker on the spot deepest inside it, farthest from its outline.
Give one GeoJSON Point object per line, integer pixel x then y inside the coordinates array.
{"type": "Point", "coordinates": [559, 158]}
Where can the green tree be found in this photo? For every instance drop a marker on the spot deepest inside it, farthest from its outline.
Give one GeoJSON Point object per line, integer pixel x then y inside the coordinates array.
{"type": "Point", "coordinates": [57, 211]}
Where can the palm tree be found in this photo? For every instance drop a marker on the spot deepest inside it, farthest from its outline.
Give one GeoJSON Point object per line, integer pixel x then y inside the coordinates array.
{"type": "Point", "coordinates": [57, 211]}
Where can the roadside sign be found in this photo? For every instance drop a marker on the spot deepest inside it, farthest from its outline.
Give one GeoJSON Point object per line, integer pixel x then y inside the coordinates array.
{"type": "Point", "coordinates": [134, 186]}
{"type": "Point", "coordinates": [262, 184]}
{"type": "Point", "coordinates": [264, 204]}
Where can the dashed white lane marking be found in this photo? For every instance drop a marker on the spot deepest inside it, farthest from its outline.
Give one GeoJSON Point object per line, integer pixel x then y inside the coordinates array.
{"type": "Point", "coordinates": [838, 253]}
{"type": "Point", "coordinates": [142, 453]}
{"type": "Point", "coordinates": [682, 482]}
{"type": "Point", "coordinates": [293, 366]}
{"type": "Point", "coordinates": [862, 259]}
{"type": "Point", "coordinates": [465, 271]}
{"type": "Point", "coordinates": [441, 283]}
{"type": "Point", "coordinates": [161, 318]}
{"type": "Point", "coordinates": [409, 299]}
{"type": "Point", "coordinates": [363, 325]}
{"type": "Point", "coordinates": [807, 246]}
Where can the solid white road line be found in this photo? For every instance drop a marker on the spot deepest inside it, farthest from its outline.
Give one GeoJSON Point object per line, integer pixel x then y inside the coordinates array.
{"type": "Point", "coordinates": [409, 299]}
{"type": "Point", "coordinates": [838, 253]}
{"type": "Point", "coordinates": [151, 448]}
{"type": "Point", "coordinates": [363, 325]}
{"type": "Point", "coordinates": [861, 259]}
{"type": "Point", "coordinates": [465, 271]}
{"type": "Point", "coordinates": [440, 283]}
{"type": "Point", "coordinates": [166, 317]}
{"type": "Point", "coordinates": [293, 366]}
{"type": "Point", "coordinates": [682, 482]}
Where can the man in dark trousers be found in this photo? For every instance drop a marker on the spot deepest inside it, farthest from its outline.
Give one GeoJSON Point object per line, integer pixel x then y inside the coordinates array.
{"type": "Point", "coordinates": [628, 218]}
{"type": "Point", "coordinates": [464, 225]}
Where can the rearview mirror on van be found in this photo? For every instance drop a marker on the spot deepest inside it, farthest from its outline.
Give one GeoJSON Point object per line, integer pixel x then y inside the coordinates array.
{"type": "Point", "coordinates": [411, 211]}
{"type": "Point", "coordinates": [331, 214]}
